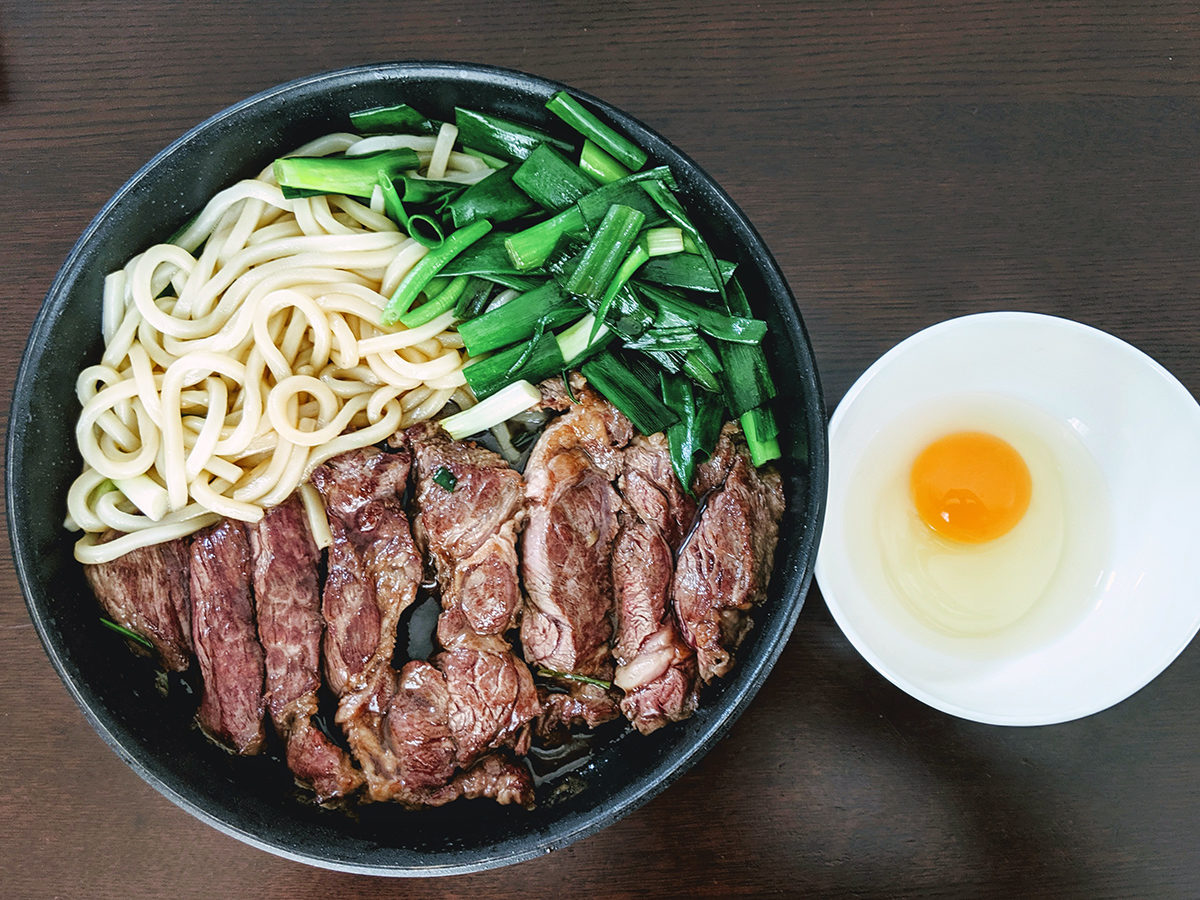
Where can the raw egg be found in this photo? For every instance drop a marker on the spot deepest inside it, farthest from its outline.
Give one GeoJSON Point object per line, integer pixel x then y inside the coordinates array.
{"type": "Point", "coordinates": [980, 517]}
{"type": "Point", "coordinates": [970, 486]}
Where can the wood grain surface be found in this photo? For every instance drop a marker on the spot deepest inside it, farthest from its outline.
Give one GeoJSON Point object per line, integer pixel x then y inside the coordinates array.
{"type": "Point", "coordinates": [906, 163]}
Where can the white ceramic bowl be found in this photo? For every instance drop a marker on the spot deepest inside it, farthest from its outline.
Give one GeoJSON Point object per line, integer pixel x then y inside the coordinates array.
{"type": "Point", "coordinates": [1139, 607]}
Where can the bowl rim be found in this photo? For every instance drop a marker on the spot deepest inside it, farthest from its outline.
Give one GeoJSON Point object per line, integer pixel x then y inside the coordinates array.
{"type": "Point", "coordinates": [831, 579]}
{"type": "Point", "coordinates": [641, 788]}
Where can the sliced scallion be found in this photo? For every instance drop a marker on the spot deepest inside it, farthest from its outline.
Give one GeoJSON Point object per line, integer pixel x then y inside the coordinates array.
{"type": "Point", "coordinates": [675, 310]}
{"type": "Point", "coordinates": [488, 258]}
{"type": "Point", "coordinates": [663, 241]}
{"type": "Point", "coordinates": [669, 203]}
{"type": "Point", "coordinates": [551, 180]}
{"type": "Point", "coordinates": [500, 407]}
{"type": "Point", "coordinates": [125, 632]}
{"type": "Point", "coordinates": [687, 271]}
{"type": "Point", "coordinates": [531, 248]}
{"type": "Point", "coordinates": [626, 192]}
{"type": "Point", "coordinates": [530, 361]}
{"type": "Point", "coordinates": [495, 198]}
{"type": "Point", "coordinates": [429, 265]}
{"type": "Point", "coordinates": [501, 137]}
{"type": "Point", "coordinates": [704, 367]}
{"type": "Point", "coordinates": [600, 165]}
{"type": "Point", "coordinates": [473, 299]}
{"type": "Point", "coordinates": [586, 123]}
{"type": "Point", "coordinates": [581, 340]}
{"type": "Point", "coordinates": [424, 229]}
{"type": "Point", "coordinates": [352, 175]}
{"type": "Point", "coordinates": [635, 258]}
{"type": "Point", "coordinates": [628, 392]}
{"type": "Point", "coordinates": [390, 120]}
{"type": "Point", "coordinates": [676, 338]}
{"type": "Point", "coordinates": [518, 319]}
{"type": "Point", "coordinates": [605, 253]}
{"type": "Point", "coordinates": [762, 434]}
{"type": "Point", "coordinates": [446, 299]}
{"type": "Point", "coordinates": [693, 437]}
{"type": "Point", "coordinates": [748, 382]}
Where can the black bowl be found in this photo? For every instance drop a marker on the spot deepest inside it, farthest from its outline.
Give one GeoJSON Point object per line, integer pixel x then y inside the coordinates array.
{"type": "Point", "coordinates": [254, 799]}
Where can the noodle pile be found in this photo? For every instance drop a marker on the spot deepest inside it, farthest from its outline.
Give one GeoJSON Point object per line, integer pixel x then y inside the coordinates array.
{"type": "Point", "coordinates": [248, 351]}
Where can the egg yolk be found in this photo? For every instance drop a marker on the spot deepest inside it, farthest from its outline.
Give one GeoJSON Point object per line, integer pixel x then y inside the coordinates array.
{"type": "Point", "coordinates": [970, 486]}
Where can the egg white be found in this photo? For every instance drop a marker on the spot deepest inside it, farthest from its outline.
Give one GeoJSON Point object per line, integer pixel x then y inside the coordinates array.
{"type": "Point", "coordinates": [1019, 590]}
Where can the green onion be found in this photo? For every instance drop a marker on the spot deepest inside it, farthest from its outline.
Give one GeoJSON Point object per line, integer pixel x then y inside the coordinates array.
{"type": "Point", "coordinates": [693, 438]}
{"type": "Point", "coordinates": [670, 204]}
{"type": "Point", "coordinates": [446, 299]}
{"type": "Point", "coordinates": [674, 310]}
{"type": "Point", "coordinates": [628, 392]}
{"type": "Point", "coordinates": [500, 407]}
{"type": "Point", "coordinates": [428, 266]}
{"type": "Point", "coordinates": [704, 366]}
{"type": "Point", "coordinates": [571, 676]}
{"type": "Point", "coordinates": [762, 434]}
{"type": "Point", "coordinates": [626, 192]}
{"type": "Point", "coordinates": [391, 119]}
{"type": "Point", "coordinates": [565, 256]}
{"type": "Point", "coordinates": [518, 319]}
{"type": "Point", "coordinates": [573, 113]}
{"type": "Point", "coordinates": [424, 229]}
{"type": "Point", "coordinates": [677, 338]}
{"type": "Point", "coordinates": [663, 241]}
{"type": "Point", "coordinates": [494, 198]}
{"type": "Point", "coordinates": [617, 257]}
{"type": "Point", "coordinates": [636, 257]}
{"type": "Point", "coordinates": [687, 271]}
{"type": "Point", "coordinates": [494, 162]}
{"type": "Point", "coordinates": [531, 248]}
{"type": "Point", "coordinates": [445, 479]}
{"type": "Point", "coordinates": [628, 316]}
{"type": "Point", "coordinates": [125, 632]}
{"type": "Point", "coordinates": [530, 361]}
{"type": "Point", "coordinates": [352, 175]}
{"type": "Point", "coordinates": [748, 382]}
{"type": "Point", "coordinates": [605, 253]}
{"type": "Point", "coordinates": [473, 299]}
{"type": "Point", "coordinates": [516, 282]}
{"type": "Point", "coordinates": [501, 137]}
{"type": "Point", "coordinates": [551, 180]}
{"type": "Point", "coordinates": [488, 258]}
{"type": "Point", "coordinates": [428, 191]}
{"type": "Point", "coordinates": [581, 340]}
{"type": "Point", "coordinates": [600, 165]}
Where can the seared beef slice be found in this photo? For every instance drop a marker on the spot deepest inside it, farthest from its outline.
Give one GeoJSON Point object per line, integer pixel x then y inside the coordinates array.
{"type": "Point", "coordinates": [374, 568]}
{"type": "Point", "coordinates": [147, 591]}
{"type": "Point", "coordinates": [373, 574]}
{"type": "Point", "coordinates": [399, 725]}
{"type": "Point", "coordinates": [287, 601]}
{"type": "Point", "coordinates": [655, 668]}
{"type": "Point", "coordinates": [470, 532]}
{"type": "Point", "coordinates": [231, 660]}
{"type": "Point", "coordinates": [567, 550]}
{"type": "Point", "coordinates": [725, 564]}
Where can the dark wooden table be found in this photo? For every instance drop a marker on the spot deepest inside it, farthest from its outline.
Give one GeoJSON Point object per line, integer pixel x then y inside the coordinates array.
{"type": "Point", "coordinates": [905, 164]}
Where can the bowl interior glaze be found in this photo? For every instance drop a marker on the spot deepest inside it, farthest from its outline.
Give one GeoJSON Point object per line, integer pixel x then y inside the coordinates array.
{"type": "Point", "coordinates": [254, 799]}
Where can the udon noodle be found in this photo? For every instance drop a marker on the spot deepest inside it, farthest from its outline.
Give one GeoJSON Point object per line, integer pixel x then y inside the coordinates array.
{"type": "Point", "coordinates": [248, 350]}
